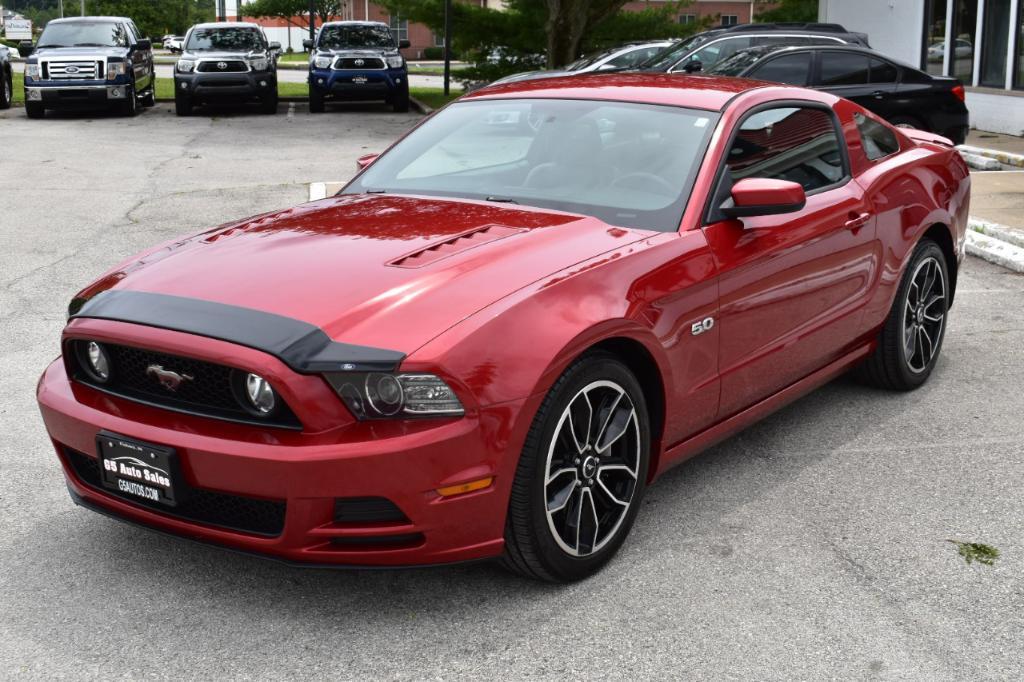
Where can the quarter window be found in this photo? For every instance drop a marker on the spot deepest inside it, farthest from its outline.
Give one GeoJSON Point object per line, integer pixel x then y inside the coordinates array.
{"type": "Point", "coordinates": [882, 72]}
{"type": "Point", "coordinates": [799, 144]}
{"type": "Point", "coordinates": [843, 68]}
{"type": "Point", "coordinates": [792, 69]}
{"type": "Point", "coordinates": [877, 139]}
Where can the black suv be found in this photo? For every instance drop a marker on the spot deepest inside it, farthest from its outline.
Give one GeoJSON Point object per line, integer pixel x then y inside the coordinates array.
{"type": "Point", "coordinates": [88, 62]}
{"type": "Point", "coordinates": [227, 61]}
{"type": "Point", "coordinates": [703, 50]}
{"type": "Point", "coordinates": [897, 92]}
{"type": "Point", "coordinates": [6, 79]}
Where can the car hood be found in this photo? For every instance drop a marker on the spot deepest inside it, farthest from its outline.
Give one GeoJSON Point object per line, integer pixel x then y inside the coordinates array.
{"type": "Point", "coordinates": [73, 52]}
{"type": "Point", "coordinates": [358, 52]}
{"type": "Point", "coordinates": [376, 270]}
{"type": "Point", "coordinates": [219, 54]}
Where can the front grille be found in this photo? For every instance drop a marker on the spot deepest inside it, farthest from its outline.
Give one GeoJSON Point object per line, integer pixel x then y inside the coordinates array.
{"type": "Point", "coordinates": [234, 512]}
{"type": "Point", "coordinates": [358, 63]}
{"type": "Point", "coordinates": [206, 390]}
{"type": "Point", "coordinates": [70, 71]}
{"type": "Point", "coordinates": [230, 66]}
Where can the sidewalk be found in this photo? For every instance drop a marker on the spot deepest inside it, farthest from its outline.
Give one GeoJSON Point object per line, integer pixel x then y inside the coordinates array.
{"type": "Point", "coordinates": [996, 141]}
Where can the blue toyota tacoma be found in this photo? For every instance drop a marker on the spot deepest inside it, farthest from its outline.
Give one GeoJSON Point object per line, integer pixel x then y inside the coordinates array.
{"type": "Point", "coordinates": [357, 61]}
{"type": "Point", "coordinates": [88, 62]}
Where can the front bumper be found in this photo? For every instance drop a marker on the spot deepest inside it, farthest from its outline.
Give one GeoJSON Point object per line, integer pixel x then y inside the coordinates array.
{"type": "Point", "coordinates": [238, 86]}
{"type": "Point", "coordinates": [302, 475]}
{"type": "Point", "coordinates": [354, 85]}
{"type": "Point", "coordinates": [70, 96]}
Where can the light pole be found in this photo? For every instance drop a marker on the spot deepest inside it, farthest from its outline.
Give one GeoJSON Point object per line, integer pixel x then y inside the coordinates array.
{"type": "Point", "coordinates": [312, 19]}
{"type": "Point", "coordinates": [447, 45]}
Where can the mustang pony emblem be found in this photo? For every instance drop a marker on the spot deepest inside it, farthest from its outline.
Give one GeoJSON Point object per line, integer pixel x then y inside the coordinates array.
{"type": "Point", "coordinates": [168, 379]}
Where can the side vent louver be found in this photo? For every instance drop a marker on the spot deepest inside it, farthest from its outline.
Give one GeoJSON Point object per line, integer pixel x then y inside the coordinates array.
{"type": "Point", "coordinates": [457, 244]}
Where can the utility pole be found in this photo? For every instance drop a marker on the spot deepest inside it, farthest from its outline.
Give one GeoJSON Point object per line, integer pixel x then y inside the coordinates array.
{"type": "Point", "coordinates": [83, 8]}
{"type": "Point", "coordinates": [61, 3]}
{"type": "Point", "coordinates": [312, 19]}
{"type": "Point", "coordinates": [447, 45]}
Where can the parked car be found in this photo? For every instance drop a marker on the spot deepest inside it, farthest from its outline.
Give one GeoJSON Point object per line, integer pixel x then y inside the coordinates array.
{"type": "Point", "coordinates": [226, 62]}
{"type": "Point", "coordinates": [899, 93]}
{"type": "Point", "coordinates": [707, 48]}
{"type": "Point", "coordinates": [88, 62]}
{"type": "Point", "coordinates": [357, 60]}
{"type": "Point", "coordinates": [6, 79]}
{"type": "Point", "coordinates": [174, 44]}
{"type": "Point", "coordinates": [962, 49]}
{"type": "Point", "coordinates": [620, 57]}
{"type": "Point", "coordinates": [510, 323]}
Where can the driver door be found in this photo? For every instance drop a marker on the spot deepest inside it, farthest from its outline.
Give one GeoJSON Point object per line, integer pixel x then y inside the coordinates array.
{"type": "Point", "coordinates": [792, 286]}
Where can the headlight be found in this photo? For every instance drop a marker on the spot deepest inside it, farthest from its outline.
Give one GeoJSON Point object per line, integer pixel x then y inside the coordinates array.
{"type": "Point", "coordinates": [185, 65]}
{"type": "Point", "coordinates": [259, 64]}
{"type": "Point", "coordinates": [379, 396]}
{"type": "Point", "coordinates": [395, 62]}
{"type": "Point", "coordinates": [254, 393]}
{"type": "Point", "coordinates": [93, 359]}
{"type": "Point", "coordinates": [115, 69]}
{"type": "Point", "coordinates": [322, 62]}
{"type": "Point", "coordinates": [32, 71]}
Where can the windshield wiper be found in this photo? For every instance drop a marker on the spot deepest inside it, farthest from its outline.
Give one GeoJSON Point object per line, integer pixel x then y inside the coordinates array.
{"type": "Point", "coordinates": [501, 200]}
{"type": "Point", "coordinates": [39, 47]}
{"type": "Point", "coordinates": [90, 45]}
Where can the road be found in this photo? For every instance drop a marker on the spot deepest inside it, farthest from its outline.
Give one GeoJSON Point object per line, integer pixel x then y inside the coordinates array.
{"type": "Point", "coordinates": [812, 546]}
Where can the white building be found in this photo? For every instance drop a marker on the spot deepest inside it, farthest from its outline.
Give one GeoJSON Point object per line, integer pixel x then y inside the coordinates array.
{"type": "Point", "coordinates": [981, 42]}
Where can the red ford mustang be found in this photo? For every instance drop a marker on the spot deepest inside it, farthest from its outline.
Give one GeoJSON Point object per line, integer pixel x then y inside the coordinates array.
{"type": "Point", "coordinates": [504, 328]}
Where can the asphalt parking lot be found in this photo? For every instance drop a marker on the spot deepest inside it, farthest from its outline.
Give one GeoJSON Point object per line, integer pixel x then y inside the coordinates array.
{"type": "Point", "coordinates": [813, 545]}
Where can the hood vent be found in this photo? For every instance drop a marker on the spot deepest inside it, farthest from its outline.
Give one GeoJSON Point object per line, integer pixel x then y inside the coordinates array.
{"type": "Point", "coordinates": [457, 244]}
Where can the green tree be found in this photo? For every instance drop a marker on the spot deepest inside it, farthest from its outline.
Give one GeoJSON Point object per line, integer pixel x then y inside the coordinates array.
{"type": "Point", "coordinates": [153, 17]}
{"type": "Point", "coordinates": [290, 9]}
{"type": "Point", "coordinates": [789, 10]}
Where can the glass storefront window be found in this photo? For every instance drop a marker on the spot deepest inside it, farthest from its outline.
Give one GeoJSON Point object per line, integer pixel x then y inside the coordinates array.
{"type": "Point", "coordinates": [934, 36]}
{"type": "Point", "coordinates": [1019, 80]}
{"type": "Point", "coordinates": [995, 41]}
{"type": "Point", "coordinates": [961, 59]}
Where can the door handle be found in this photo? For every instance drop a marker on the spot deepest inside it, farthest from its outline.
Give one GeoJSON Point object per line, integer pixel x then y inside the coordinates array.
{"type": "Point", "coordinates": [857, 221]}
{"type": "Point", "coordinates": [878, 94]}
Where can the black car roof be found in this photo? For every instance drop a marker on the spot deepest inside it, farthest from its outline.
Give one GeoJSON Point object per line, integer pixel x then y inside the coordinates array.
{"type": "Point", "coordinates": [767, 50]}
{"type": "Point", "coordinates": [798, 28]}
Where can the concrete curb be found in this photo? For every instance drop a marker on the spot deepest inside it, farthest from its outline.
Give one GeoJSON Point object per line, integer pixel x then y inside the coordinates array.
{"type": "Point", "coordinates": [979, 162]}
{"type": "Point", "coordinates": [996, 243]}
{"type": "Point", "coordinates": [420, 106]}
{"type": "Point", "coordinates": [1007, 158]}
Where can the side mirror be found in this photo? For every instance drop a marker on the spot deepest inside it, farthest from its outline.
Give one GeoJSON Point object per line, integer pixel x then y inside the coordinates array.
{"type": "Point", "coordinates": [693, 66]}
{"type": "Point", "coordinates": [144, 44]}
{"type": "Point", "coordinates": [274, 47]}
{"type": "Point", "coordinates": [25, 48]}
{"type": "Point", "coordinates": [307, 44]}
{"type": "Point", "coordinates": [402, 44]}
{"type": "Point", "coordinates": [764, 196]}
{"type": "Point", "coordinates": [365, 160]}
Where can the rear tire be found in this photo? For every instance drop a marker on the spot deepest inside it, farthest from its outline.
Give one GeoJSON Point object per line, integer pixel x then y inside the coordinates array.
{"type": "Point", "coordinates": [911, 339]}
{"type": "Point", "coordinates": [577, 489]}
{"type": "Point", "coordinates": [182, 104]}
{"type": "Point", "coordinates": [33, 110]}
{"type": "Point", "coordinates": [908, 122]}
{"type": "Point", "coordinates": [316, 102]}
{"type": "Point", "coordinates": [149, 99]}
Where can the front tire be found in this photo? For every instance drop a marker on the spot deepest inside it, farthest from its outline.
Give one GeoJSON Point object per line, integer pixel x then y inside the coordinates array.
{"type": "Point", "coordinates": [130, 106]}
{"type": "Point", "coordinates": [182, 104]}
{"type": "Point", "coordinates": [400, 103]}
{"type": "Point", "coordinates": [6, 90]}
{"type": "Point", "coordinates": [910, 342]}
{"type": "Point", "coordinates": [34, 110]}
{"type": "Point", "coordinates": [268, 104]}
{"type": "Point", "coordinates": [316, 102]}
{"type": "Point", "coordinates": [582, 473]}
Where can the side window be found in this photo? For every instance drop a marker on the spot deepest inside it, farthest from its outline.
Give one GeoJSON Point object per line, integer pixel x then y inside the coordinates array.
{"type": "Point", "coordinates": [882, 72]}
{"type": "Point", "coordinates": [634, 57]}
{"type": "Point", "coordinates": [877, 139]}
{"type": "Point", "coordinates": [799, 144]}
{"type": "Point", "coordinates": [791, 69]}
{"type": "Point", "coordinates": [843, 68]}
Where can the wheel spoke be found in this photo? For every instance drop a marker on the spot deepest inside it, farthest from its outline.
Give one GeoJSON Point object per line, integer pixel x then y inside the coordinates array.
{"type": "Point", "coordinates": [562, 498]}
{"type": "Point", "coordinates": [607, 420]}
{"type": "Point", "coordinates": [608, 493]}
{"type": "Point", "coordinates": [581, 423]}
{"type": "Point", "coordinates": [618, 424]}
{"type": "Point", "coordinates": [910, 343]}
{"type": "Point", "coordinates": [925, 337]}
{"type": "Point", "coordinates": [617, 467]}
{"type": "Point", "coordinates": [588, 523]}
{"type": "Point", "coordinates": [561, 472]}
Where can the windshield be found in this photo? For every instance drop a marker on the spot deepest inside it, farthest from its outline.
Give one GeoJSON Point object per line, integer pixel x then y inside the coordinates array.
{"type": "Point", "coordinates": [667, 58]}
{"type": "Point", "coordinates": [341, 37]}
{"type": "Point", "coordinates": [630, 165]}
{"type": "Point", "coordinates": [229, 39]}
{"type": "Point", "coordinates": [589, 59]}
{"type": "Point", "coordinates": [84, 34]}
{"type": "Point", "coordinates": [735, 64]}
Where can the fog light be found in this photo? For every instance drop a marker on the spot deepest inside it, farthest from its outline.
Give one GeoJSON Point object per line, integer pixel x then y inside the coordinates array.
{"type": "Point", "coordinates": [184, 86]}
{"type": "Point", "coordinates": [99, 364]}
{"type": "Point", "coordinates": [319, 81]}
{"type": "Point", "coordinates": [114, 92]}
{"type": "Point", "coordinates": [34, 93]}
{"type": "Point", "coordinates": [398, 80]}
{"type": "Point", "coordinates": [260, 394]}
{"type": "Point", "coordinates": [263, 84]}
